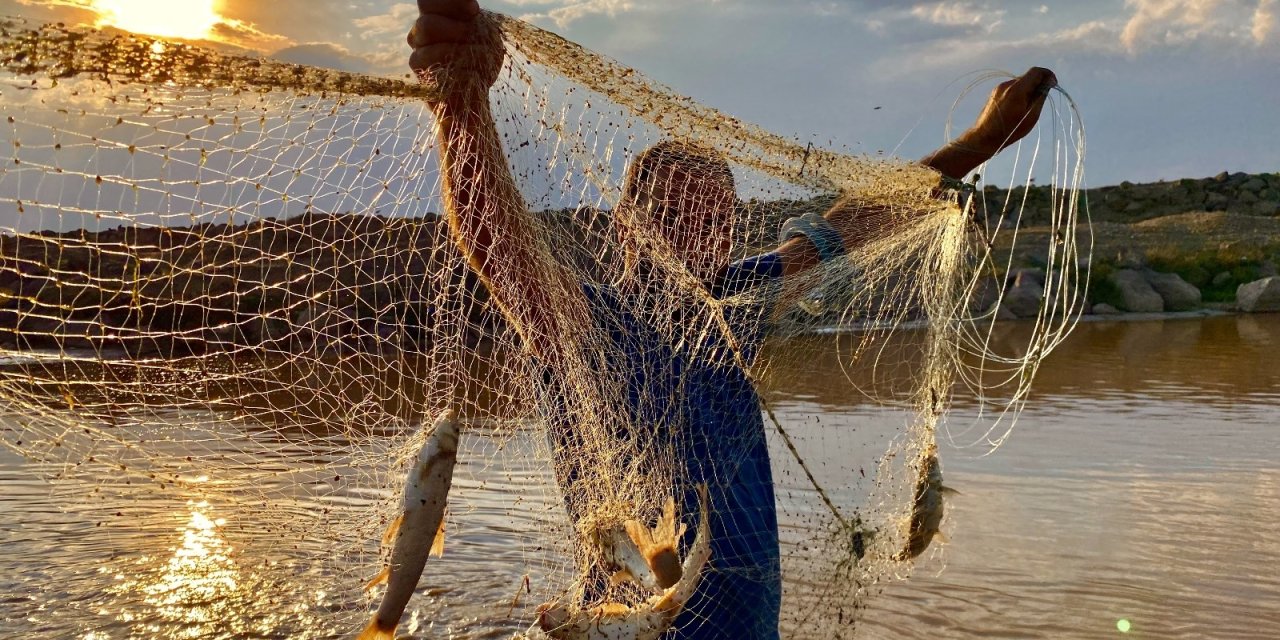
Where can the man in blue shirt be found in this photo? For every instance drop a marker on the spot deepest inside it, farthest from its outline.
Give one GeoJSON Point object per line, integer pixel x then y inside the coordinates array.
{"type": "Point", "coordinates": [696, 400]}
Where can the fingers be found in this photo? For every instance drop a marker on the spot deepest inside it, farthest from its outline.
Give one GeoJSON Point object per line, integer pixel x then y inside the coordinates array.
{"type": "Point", "coordinates": [1042, 77]}
{"type": "Point", "coordinates": [426, 57]}
{"type": "Point", "coordinates": [437, 29]}
{"type": "Point", "coordinates": [456, 9]}
{"type": "Point", "coordinates": [1031, 86]}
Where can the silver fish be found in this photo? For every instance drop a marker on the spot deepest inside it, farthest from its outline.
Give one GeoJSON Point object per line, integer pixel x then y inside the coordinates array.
{"type": "Point", "coordinates": [419, 530]}
{"type": "Point", "coordinates": [926, 513]}
{"type": "Point", "coordinates": [648, 621]}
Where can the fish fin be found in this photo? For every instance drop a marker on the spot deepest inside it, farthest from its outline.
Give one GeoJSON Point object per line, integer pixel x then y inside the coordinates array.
{"type": "Point", "coordinates": [393, 530]}
{"type": "Point", "coordinates": [948, 491]}
{"type": "Point", "coordinates": [379, 579]}
{"type": "Point", "coordinates": [620, 577]}
{"type": "Point", "coordinates": [639, 534]}
{"type": "Point", "coordinates": [665, 530]}
{"type": "Point", "coordinates": [612, 609]}
{"type": "Point", "coordinates": [437, 543]}
{"type": "Point", "coordinates": [942, 536]}
{"type": "Point", "coordinates": [375, 631]}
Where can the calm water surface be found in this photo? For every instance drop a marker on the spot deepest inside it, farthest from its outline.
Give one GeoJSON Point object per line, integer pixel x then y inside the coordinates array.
{"type": "Point", "coordinates": [1141, 484]}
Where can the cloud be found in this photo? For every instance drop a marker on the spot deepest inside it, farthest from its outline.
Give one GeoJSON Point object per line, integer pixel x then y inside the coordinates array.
{"type": "Point", "coordinates": [1163, 23]}
{"type": "Point", "coordinates": [1264, 21]}
{"type": "Point", "coordinates": [246, 35]}
{"type": "Point", "coordinates": [228, 34]}
{"type": "Point", "coordinates": [929, 21]}
{"type": "Point", "coordinates": [572, 11]}
{"type": "Point", "coordinates": [294, 20]}
{"type": "Point", "coordinates": [958, 14]}
{"type": "Point", "coordinates": [65, 11]}
{"type": "Point", "coordinates": [398, 20]}
{"type": "Point", "coordinates": [1095, 36]}
{"type": "Point", "coordinates": [324, 54]}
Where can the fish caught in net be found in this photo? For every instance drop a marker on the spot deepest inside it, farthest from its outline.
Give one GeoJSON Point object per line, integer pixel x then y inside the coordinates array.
{"type": "Point", "coordinates": [235, 294]}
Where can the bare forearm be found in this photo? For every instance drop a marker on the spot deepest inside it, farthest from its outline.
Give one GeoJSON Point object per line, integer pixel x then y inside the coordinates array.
{"type": "Point", "coordinates": [957, 159]}
{"type": "Point", "coordinates": [856, 225]}
{"type": "Point", "coordinates": [491, 225]}
{"type": "Point", "coordinates": [1009, 115]}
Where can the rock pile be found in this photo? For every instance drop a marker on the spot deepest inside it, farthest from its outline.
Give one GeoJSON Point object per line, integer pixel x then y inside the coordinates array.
{"type": "Point", "coordinates": [1249, 194]}
{"type": "Point", "coordinates": [1136, 290]}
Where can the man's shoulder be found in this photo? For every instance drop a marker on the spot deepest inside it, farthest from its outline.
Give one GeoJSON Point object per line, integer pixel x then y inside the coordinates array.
{"type": "Point", "coordinates": [746, 274]}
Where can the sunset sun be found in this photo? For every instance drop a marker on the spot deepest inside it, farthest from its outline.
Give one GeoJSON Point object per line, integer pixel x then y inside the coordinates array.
{"type": "Point", "coordinates": [189, 19]}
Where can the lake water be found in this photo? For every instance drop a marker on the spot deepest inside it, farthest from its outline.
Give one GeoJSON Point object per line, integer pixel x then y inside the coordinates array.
{"type": "Point", "coordinates": [1140, 490]}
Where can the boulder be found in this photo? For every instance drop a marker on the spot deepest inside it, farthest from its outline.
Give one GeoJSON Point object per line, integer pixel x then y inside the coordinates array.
{"type": "Point", "coordinates": [1001, 312]}
{"type": "Point", "coordinates": [985, 293]}
{"type": "Point", "coordinates": [1259, 296]}
{"type": "Point", "coordinates": [1023, 298]}
{"type": "Point", "coordinates": [1221, 279]}
{"type": "Point", "coordinates": [1266, 208]}
{"type": "Point", "coordinates": [1216, 202]}
{"type": "Point", "coordinates": [1029, 275]}
{"type": "Point", "coordinates": [1104, 309]}
{"type": "Point", "coordinates": [1135, 293]}
{"type": "Point", "coordinates": [1178, 294]}
{"type": "Point", "coordinates": [1023, 302]}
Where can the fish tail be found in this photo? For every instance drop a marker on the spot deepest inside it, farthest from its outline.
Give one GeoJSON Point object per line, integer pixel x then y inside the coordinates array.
{"type": "Point", "coordinates": [375, 631]}
{"type": "Point", "coordinates": [437, 543]}
{"type": "Point", "coordinates": [393, 530]}
{"type": "Point", "coordinates": [378, 579]}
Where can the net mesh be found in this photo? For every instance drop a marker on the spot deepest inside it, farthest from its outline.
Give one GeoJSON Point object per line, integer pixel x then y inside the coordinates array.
{"type": "Point", "coordinates": [231, 302]}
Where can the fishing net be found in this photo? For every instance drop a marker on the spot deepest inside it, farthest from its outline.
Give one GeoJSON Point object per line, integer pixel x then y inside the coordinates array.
{"type": "Point", "coordinates": [231, 305]}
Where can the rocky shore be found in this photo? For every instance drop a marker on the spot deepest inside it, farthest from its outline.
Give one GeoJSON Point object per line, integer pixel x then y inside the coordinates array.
{"type": "Point", "coordinates": [179, 291]}
{"type": "Point", "coordinates": [1211, 243]}
{"type": "Point", "coordinates": [318, 282]}
{"type": "Point", "coordinates": [323, 281]}
{"type": "Point", "coordinates": [1238, 193]}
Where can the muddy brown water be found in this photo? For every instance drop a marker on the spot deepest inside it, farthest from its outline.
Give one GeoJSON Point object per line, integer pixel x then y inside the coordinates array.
{"type": "Point", "coordinates": [1139, 491]}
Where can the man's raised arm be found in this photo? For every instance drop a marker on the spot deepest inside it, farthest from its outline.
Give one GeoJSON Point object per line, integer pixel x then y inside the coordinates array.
{"type": "Point", "coordinates": [1010, 114]}
{"type": "Point", "coordinates": [458, 52]}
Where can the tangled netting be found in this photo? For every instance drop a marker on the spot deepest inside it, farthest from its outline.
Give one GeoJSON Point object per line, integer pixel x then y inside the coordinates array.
{"type": "Point", "coordinates": [230, 306]}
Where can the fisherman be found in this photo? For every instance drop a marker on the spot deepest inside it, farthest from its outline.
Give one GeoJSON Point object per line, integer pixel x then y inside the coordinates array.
{"type": "Point", "coordinates": [688, 196]}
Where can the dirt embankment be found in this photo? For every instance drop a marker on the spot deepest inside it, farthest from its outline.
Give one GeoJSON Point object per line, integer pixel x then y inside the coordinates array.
{"type": "Point", "coordinates": [326, 279]}
{"type": "Point", "coordinates": [1216, 234]}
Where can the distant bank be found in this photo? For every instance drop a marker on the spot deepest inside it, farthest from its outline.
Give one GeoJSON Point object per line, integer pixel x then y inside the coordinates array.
{"type": "Point", "coordinates": [337, 281]}
{"type": "Point", "coordinates": [1160, 247]}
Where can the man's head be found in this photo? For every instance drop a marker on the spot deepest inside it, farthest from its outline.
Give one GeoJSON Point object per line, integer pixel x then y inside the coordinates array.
{"type": "Point", "coordinates": [687, 194]}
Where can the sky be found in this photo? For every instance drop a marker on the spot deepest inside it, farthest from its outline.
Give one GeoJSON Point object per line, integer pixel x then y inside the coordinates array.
{"type": "Point", "coordinates": [1167, 89]}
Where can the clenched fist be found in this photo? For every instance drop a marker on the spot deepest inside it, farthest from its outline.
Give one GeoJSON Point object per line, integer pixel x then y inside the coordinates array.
{"type": "Point", "coordinates": [1012, 111]}
{"type": "Point", "coordinates": [457, 49]}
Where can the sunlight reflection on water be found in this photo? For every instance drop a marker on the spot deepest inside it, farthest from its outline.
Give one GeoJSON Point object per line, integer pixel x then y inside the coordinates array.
{"type": "Point", "coordinates": [1140, 485]}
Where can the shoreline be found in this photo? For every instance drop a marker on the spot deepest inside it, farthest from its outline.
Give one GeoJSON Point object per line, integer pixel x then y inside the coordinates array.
{"type": "Point", "coordinates": [321, 282]}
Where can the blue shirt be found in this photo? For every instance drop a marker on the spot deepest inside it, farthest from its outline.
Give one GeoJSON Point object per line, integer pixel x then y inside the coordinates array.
{"type": "Point", "coordinates": [708, 409]}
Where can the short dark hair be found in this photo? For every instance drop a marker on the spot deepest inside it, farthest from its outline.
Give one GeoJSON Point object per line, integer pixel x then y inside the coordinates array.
{"type": "Point", "coordinates": [686, 156]}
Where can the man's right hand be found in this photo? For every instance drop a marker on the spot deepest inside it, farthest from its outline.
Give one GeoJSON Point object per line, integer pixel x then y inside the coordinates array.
{"type": "Point", "coordinates": [456, 49]}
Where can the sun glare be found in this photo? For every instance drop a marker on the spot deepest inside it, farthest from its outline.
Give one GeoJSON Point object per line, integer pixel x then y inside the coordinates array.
{"type": "Point", "coordinates": [188, 19]}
